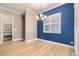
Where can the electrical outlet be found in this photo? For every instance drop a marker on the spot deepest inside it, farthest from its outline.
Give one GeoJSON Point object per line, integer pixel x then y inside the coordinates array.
{"type": "Point", "coordinates": [72, 42]}
{"type": "Point", "coordinates": [41, 37]}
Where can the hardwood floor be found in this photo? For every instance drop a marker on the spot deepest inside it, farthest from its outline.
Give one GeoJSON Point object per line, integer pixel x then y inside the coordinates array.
{"type": "Point", "coordinates": [34, 48]}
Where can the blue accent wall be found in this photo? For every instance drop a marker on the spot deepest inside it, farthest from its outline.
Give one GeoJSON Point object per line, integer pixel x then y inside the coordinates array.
{"type": "Point", "coordinates": [67, 25]}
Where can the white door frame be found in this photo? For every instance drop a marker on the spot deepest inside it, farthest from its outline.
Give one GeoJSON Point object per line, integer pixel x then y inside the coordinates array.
{"type": "Point", "coordinates": [1, 30]}
{"type": "Point", "coordinates": [12, 28]}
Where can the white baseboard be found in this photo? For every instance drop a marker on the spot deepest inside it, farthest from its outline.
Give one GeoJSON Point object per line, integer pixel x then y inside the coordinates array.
{"type": "Point", "coordinates": [17, 39]}
{"type": "Point", "coordinates": [27, 41]}
{"type": "Point", "coordinates": [65, 45]}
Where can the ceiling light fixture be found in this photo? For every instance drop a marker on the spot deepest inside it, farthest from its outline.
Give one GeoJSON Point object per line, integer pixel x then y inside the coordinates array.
{"type": "Point", "coordinates": [43, 17]}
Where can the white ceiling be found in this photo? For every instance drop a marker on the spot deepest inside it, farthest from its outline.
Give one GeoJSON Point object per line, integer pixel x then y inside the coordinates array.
{"type": "Point", "coordinates": [21, 7]}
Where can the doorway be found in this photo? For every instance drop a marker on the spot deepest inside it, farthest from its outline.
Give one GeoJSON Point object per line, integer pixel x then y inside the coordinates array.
{"type": "Point", "coordinates": [6, 28]}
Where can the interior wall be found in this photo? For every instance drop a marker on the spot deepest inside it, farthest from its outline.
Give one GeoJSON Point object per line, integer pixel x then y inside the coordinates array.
{"type": "Point", "coordinates": [17, 24]}
{"type": "Point", "coordinates": [76, 28]}
{"type": "Point", "coordinates": [0, 30]}
{"type": "Point", "coordinates": [30, 25]}
{"type": "Point", "coordinates": [67, 25]}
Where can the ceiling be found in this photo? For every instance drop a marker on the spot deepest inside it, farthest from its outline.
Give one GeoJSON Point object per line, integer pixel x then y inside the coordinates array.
{"type": "Point", "coordinates": [21, 7]}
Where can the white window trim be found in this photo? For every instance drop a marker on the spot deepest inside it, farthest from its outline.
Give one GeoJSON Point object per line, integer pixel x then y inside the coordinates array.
{"type": "Point", "coordinates": [58, 32]}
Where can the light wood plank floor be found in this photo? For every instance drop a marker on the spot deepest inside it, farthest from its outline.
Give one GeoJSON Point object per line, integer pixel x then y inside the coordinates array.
{"type": "Point", "coordinates": [34, 48]}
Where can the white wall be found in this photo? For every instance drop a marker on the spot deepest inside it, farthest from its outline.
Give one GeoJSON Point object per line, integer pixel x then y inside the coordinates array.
{"type": "Point", "coordinates": [0, 29]}
{"type": "Point", "coordinates": [76, 28]}
{"type": "Point", "coordinates": [30, 25]}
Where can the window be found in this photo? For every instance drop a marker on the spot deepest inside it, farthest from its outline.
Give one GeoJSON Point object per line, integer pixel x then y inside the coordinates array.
{"type": "Point", "coordinates": [52, 24]}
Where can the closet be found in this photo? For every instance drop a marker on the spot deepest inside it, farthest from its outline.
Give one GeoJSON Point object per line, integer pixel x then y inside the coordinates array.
{"type": "Point", "coordinates": [6, 27]}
